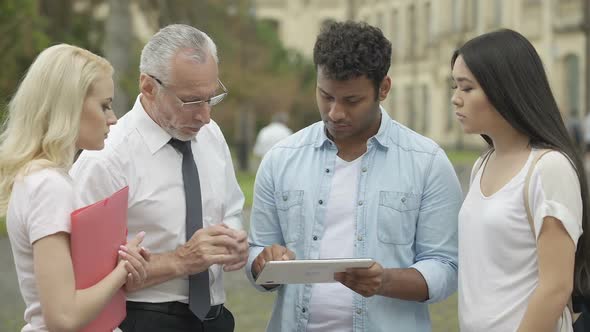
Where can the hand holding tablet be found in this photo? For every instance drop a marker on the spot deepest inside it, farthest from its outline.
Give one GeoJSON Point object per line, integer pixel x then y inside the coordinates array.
{"type": "Point", "coordinates": [307, 271]}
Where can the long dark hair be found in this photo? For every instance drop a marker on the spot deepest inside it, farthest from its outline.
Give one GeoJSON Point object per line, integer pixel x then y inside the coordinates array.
{"type": "Point", "coordinates": [511, 73]}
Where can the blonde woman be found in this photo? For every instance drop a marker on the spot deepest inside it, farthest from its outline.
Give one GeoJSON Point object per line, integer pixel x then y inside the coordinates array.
{"type": "Point", "coordinates": [63, 105]}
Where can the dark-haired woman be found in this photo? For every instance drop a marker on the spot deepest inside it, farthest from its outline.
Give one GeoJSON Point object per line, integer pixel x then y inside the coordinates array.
{"type": "Point", "coordinates": [515, 275]}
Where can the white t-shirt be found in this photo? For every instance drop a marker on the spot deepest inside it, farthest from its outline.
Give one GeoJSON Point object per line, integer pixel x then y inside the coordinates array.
{"type": "Point", "coordinates": [39, 206]}
{"type": "Point", "coordinates": [498, 269]}
{"type": "Point", "coordinates": [331, 306]}
{"type": "Point", "coordinates": [269, 136]}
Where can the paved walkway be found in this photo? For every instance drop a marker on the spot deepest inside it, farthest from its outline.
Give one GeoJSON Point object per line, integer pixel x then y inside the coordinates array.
{"type": "Point", "coordinates": [12, 306]}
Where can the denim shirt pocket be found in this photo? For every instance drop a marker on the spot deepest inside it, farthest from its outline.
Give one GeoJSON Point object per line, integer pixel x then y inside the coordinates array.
{"type": "Point", "coordinates": [290, 210]}
{"type": "Point", "coordinates": [397, 214]}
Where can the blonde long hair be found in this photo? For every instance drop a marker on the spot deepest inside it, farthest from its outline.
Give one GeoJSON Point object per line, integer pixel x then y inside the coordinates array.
{"type": "Point", "coordinates": [43, 119]}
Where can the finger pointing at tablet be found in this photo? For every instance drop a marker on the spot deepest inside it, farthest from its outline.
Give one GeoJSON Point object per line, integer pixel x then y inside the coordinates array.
{"type": "Point", "coordinates": [273, 253]}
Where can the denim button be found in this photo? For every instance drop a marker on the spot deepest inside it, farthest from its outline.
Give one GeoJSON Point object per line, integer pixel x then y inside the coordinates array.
{"type": "Point", "coordinates": [321, 202]}
{"type": "Point", "coordinates": [315, 238]}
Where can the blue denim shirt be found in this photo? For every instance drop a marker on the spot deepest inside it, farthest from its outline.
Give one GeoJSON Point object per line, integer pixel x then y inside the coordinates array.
{"type": "Point", "coordinates": [408, 201]}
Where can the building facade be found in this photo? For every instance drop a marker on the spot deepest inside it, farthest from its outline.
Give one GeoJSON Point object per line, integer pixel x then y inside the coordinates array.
{"type": "Point", "coordinates": [424, 34]}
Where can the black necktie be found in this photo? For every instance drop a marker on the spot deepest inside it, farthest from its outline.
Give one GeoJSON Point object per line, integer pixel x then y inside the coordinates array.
{"type": "Point", "coordinates": [198, 299]}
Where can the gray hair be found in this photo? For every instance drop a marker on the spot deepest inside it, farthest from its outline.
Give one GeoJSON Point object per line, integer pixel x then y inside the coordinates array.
{"type": "Point", "coordinates": [157, 54]}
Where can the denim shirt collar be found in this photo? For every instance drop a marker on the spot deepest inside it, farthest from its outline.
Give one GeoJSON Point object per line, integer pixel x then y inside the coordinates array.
{"type": "Point", "coordinates": [380, 138]}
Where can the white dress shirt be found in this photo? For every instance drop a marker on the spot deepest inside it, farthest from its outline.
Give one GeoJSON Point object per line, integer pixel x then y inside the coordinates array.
{"type": "Point", "coordinates": [137, 154]}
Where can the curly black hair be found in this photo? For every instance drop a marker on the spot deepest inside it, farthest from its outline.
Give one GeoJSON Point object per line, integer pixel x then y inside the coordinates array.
{"type": "Point", "coordinates": [346, 50]}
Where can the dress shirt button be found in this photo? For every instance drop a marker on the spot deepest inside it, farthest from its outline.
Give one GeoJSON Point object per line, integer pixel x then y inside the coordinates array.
{"type": "Point", "coordinates": [327, 170]}
{"type": "Point", "coordinates": [285, 198]}
{"type": "Point", "coordinates": [315, 238]}
{"type": "Point", "coordinates": [321, 202]}
{"type": "Point", "coordinates": [360, 238]}
{"type": "Point", "coordinates": [360, 202]}
{"type": "Point", "coordinates": [359, 311]}
{"type": "Point", "coordinates": [364, 169]}
{"type": "Point", "coordinates": [403, 199]}
{"type": "Point", "coordinates": [303, 310]}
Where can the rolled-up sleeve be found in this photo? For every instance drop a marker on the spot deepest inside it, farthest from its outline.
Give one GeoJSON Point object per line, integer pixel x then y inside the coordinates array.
{"type": "Point", "coordinates": [436, 233]}
{"type": "Point", "coordinates": [265, 229]}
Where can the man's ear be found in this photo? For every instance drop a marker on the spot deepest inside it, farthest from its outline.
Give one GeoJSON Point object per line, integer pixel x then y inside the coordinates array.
{"type": "Point", "coordinates": [147, 86]}
{"type": "Point", "coordinates": [384, 88]}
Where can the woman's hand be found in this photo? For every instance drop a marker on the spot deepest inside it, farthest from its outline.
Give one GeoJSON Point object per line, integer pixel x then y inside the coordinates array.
{"type": "Point", "coordinates": [135, 259]}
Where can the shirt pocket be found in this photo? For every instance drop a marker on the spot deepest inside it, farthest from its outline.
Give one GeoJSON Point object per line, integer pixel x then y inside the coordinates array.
{"type": "Point", "coordinates": [397, 214]}
{"type": "Point", "coordinates": [290, 210]}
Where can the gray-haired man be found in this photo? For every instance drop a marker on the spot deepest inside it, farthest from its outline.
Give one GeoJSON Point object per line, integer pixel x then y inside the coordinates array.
{"type": "Point", "coordinates": [183, 190]}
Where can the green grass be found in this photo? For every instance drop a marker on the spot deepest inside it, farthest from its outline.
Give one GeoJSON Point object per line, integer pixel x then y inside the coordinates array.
{"type": "Point", "coordinates": [462, 157]}
{"type": "Point", "coordinates": [3, 227]}
{"type": "Point", "coordinates": [246, 182]}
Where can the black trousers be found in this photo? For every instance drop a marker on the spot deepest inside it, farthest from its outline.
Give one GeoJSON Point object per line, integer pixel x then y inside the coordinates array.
{"type": "Point", "coordinates": [174, 317]}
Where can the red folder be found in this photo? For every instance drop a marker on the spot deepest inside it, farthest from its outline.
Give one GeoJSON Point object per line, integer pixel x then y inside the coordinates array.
{"type": "Point", "coordinates": [97, 232]}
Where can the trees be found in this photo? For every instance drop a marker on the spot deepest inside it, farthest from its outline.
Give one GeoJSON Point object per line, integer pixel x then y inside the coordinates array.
{"type": "Point", "coordinates": [29, 26]}
{"type": "Point", "coordinates": [261, 75]}
{"type": "Point", "coordinates": [23, 37]}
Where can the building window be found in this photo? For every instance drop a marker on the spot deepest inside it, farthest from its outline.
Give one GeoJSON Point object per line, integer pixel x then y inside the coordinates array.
{"type": "Point", "coordinates": [395, 35]}
{"type": "Point", "coordinates": [411, 109]}
{"type": "Point", "coordinates": [411, 43]}
{"type": "Point", "coordinates": [498, 13]}
{"type": "Point", "coordinates": [428, 26]}
{"type": "Point", "coordinates": [456, 16]}
{"type": "Point", "coordinates": [425, 109]}
{"type": "Point", "coordinates": [474, 14]}
{"type": "Point", "coordinates": [572, 86]}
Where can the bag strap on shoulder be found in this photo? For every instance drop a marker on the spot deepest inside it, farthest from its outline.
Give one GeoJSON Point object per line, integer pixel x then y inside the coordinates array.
{"type": "Point", "coordinates": [574, 316]}
{"type": "Point", "coordinates": [527, 183]}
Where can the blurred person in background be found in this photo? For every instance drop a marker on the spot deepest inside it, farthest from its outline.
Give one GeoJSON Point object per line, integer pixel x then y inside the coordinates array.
{"type": "Point", "coordinates": [272, 133]}
{"type": "Point", "coordinates": [62, 105]}
{"type": "Point", "coordinates": [182, 186]}
{"type": "Point", "coordinates": [518, 262]}
{"type": "Point", "coordinates": [356, 184]}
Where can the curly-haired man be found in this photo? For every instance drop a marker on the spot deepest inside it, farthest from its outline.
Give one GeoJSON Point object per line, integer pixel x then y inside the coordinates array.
{"type": "Point", "coordinates": [357, 184]}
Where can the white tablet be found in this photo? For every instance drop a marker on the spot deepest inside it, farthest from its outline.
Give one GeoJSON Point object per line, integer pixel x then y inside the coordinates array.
{"type": "Point", "coordinates": [308, 271]}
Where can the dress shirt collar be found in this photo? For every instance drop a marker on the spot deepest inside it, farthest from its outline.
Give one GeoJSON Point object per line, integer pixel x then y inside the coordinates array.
{"type": "Point", "coordinates": [154, 136]}
{"type": "Point", "coordinates": [380, 137]}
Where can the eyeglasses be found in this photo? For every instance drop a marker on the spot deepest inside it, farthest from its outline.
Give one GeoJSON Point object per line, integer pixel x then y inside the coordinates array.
{"type": "Point", "coordinates": [197, 104]}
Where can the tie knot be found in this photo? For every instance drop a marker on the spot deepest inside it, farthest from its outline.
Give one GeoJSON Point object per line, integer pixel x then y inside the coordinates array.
{"type": "Point", "coordinates": [180, 146]}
